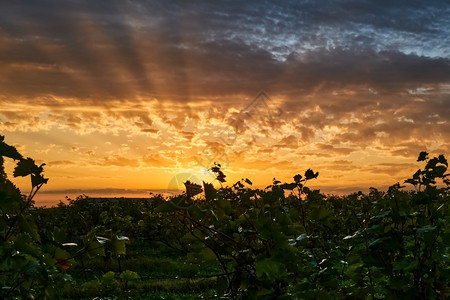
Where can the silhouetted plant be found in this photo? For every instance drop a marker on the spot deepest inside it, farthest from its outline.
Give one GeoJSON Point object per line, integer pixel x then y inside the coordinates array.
{"type": "Point", "coordinates": [306, 245]}
{"type": "Point", "coordinates": [286, 241]}
{"type": "Point", "coordinates": [26, 270]}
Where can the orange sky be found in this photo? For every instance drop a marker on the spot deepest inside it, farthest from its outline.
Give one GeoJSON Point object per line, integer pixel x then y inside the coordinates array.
{"type": "Point", "coordinates": [119, 98]}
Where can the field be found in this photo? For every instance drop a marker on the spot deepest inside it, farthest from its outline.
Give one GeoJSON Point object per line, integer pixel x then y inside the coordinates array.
{"type": "Point", "coordinates": [235, 242]}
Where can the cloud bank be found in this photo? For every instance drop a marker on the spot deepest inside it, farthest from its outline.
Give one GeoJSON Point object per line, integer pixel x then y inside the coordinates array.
{"type": "Point", "coordinates": [359, 81]}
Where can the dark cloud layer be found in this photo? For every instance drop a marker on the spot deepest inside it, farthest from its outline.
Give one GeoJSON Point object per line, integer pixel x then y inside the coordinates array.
{"type": "Point", "coordinates": [190, 50]}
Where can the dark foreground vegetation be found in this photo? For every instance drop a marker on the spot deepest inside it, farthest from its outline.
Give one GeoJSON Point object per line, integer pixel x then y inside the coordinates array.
{"type": "Point", "coordinates": [282, 242]}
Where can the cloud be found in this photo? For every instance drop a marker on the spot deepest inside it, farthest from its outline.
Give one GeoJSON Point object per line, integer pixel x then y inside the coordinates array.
{"type": "Point", "coordinates": [264, 164]}
{"type": "Point", "coordinates": [288, 142]}
{"type": "Point", "coordinates": [174, 77]}
{"type": "Point", "coordinates": [62, 163]}
{"type": "Point", "coordinates": [149, 130]}
{"type": "Point", "coordinates": [392, 168]}
{"type": "Point", "coordinates": [332, 149]}
{"type": "Point", "coordinates": [118, 161]}
{"type": "Point", "coordinates": [157, 160]}
{"type": "Point", "coordinates": [123, 51]}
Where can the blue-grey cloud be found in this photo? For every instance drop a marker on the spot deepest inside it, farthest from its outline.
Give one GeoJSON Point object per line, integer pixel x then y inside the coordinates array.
{"type": "Point", "coordinates": [180, 50]}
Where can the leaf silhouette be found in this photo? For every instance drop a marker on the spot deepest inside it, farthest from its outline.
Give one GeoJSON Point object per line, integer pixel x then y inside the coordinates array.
{"type": "Point", "coordinates": [8, 151]}
{"type": "Point", "coordinates": [423, 156]}
{"type": "Point", "coordinates": [309, 174]}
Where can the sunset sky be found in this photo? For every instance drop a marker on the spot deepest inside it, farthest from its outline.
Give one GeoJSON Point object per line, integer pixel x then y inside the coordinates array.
{"type": "Point", "coordinates": [119, 97]}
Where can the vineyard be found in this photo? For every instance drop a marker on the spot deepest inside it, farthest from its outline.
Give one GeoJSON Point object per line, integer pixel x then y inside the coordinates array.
{"type": "Point", "coordinates": [285, 241]}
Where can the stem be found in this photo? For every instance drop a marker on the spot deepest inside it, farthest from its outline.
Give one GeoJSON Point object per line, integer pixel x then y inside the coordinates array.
{"type": "Point", "coordinates": [366, 239]}
{"type": "Point", "coordinates": [222, 263]}
{"type": "Point", "coordinates": [84, 269]}
{"type": "Point", "coordinates": [12, 288]}
{"type": "Point", "coordinates": [29, 199]}
{"type": "Point", "coordinates": [120, 266]}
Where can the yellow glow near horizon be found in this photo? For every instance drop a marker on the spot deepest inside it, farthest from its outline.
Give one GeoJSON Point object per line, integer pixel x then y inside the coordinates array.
{"type": "Point", "coordinates": [121, 98]}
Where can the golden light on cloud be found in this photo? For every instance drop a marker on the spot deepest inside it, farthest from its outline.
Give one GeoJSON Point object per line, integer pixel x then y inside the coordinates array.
{"type": "Point", "coordinates": [120, 98]}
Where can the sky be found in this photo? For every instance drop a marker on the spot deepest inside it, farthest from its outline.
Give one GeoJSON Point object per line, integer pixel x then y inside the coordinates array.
{"type": "Point", "coordinates": [121, 98]}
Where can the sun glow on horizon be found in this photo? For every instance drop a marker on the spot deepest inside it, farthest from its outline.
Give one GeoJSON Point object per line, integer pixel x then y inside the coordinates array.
{"type": "Point", "coordinates": [125, 97]}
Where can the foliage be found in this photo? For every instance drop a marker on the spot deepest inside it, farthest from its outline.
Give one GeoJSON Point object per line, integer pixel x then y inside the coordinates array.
{"type": "Point", "coordinates": [305, 245]}
{"type": "Point", "coordinates": [286, 241]}
{"type": "Point", "coordinates": [34, 259]}
{"type": "Point", "coordinates": [26, 270]}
